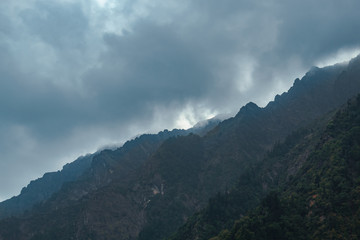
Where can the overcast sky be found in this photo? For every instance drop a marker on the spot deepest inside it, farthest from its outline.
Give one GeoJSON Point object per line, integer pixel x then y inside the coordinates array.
{"type": "Point", "coordinates": [76, 75]}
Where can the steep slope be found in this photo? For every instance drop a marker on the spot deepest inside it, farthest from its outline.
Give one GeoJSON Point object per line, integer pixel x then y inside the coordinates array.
{"type": "Point", "coordinates": [112, 166]}
{"type": "Point", "coordinates": [118, 164]}
{"type": "Point", "coordinates": [254, 130]}
{"type": "Point", "coordinates": [41, 189]}
{"type": "Point", "coordinates": [273, 171]}
{"type": "Point", "coordinates": [84, 169]}
{"type": "Point", "coordinates": [184, 172]}
{"type": "Point", "coordinates": [322, 200]}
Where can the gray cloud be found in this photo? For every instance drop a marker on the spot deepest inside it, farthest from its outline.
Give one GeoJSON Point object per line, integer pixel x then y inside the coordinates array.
{"type": "Point", "coordinates": [76, 76]}
{"type": "Point", "coordinates": [60, 24]}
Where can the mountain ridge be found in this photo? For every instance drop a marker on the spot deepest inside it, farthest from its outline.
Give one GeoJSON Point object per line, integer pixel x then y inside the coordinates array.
{"type": "Point", "coordinates": [158, 196]}
{"type": "Point", "coordinates": [41, 189]}
{"type": "Point", "coordinates": [321, 201]}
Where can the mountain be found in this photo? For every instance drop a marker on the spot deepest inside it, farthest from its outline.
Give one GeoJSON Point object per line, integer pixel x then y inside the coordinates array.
{"type": "Point", "coordinates": [129, 156]}
{"type": "Point", "coordinates": [319, 200]}
{"type": "Point", "coordinates": [274, 171]}
{"type": "Point", "coordinates": [41, 189]}
{"type": "Point", "coordinates": [158, 194]}
{"type": "Point", "coordinates": [203, 127]}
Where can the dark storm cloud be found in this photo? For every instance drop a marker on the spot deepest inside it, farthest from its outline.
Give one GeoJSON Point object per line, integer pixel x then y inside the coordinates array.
{"type": "Point", "coordinates": [186, 59]}
{"type": "Point", "coordinates": [75, 75]}
{"type": "Point", "coordinates": [318, 27]}
{"type": "Point", "coordinates": [149, 66]}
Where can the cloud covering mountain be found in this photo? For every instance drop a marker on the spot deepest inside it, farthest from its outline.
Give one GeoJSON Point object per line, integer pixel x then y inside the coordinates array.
{"type": "Point", "coordinates": [76, 75]}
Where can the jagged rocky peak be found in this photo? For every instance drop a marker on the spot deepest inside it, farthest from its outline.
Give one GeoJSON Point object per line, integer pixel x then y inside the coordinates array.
{"type": "Point", "coordinates": [296, 82]}
{"type": "Point", "coordinates": [249, 108]}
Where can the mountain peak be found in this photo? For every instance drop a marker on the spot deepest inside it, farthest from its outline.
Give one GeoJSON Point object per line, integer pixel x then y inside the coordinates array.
{"type": "Point", "coordinates": [249, 108]}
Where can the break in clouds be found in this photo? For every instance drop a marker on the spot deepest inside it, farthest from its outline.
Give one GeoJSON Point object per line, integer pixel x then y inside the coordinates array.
{"type": "Point", "coordinates": [76, 75]}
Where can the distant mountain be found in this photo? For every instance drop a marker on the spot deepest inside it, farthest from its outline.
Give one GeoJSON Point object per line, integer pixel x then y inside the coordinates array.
{"type": "Point", "coordinates": [111, 166]}
{"type": "Point", "coordinates": [203, 127]}
{"type": "Point", "coordinates": [41, 189]}
{"type": "Point", "coordinates": [144, 194]}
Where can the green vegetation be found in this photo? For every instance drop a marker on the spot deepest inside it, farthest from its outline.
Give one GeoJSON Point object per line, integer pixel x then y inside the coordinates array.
{"type": "Point", "coordinates": [323, 200]}
{"type": "Point", "coordinates": [258, 179]}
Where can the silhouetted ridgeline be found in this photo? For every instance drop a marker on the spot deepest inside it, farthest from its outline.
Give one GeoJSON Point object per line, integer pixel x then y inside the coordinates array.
{"type": "Point", "coordinates": [153, 188]}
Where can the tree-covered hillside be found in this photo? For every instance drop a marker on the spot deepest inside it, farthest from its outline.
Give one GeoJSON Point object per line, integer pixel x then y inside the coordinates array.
{"type": "Point", "coordinates": [320, 200]}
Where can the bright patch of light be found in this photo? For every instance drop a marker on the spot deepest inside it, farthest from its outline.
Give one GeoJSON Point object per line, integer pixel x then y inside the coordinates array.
{"type": "Point", "coordinates": [342, 55]}
{"type": "Point", "coordinates": [186, 119]}
{"type": "Point", "coordinates": [192, 115]}
{"type": "Point", "coordinates": [101, 2]}
{"type": "Point", "coordinates": [183, 122]}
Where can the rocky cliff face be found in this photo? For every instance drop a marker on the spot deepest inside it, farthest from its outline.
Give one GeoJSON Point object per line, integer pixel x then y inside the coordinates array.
{"type": "Point", "coordinates": [155, 195]}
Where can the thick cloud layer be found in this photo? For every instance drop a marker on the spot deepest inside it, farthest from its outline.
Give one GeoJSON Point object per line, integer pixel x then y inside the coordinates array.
{"type": "Point", "coordinates": [77, 74]}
